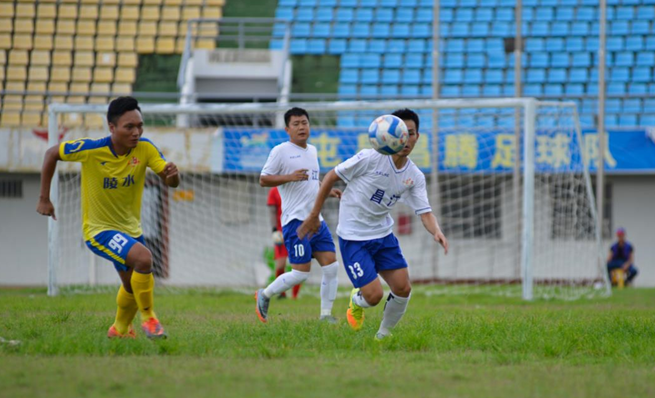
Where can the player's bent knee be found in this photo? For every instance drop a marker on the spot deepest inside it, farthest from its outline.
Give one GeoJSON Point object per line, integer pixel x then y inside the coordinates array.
{"type": "Point", "coordinates": [403, 291]}
{"type": "Point", "coordinates": [373, 297]}
{"type": "Point", "coordinates": [140, 259]}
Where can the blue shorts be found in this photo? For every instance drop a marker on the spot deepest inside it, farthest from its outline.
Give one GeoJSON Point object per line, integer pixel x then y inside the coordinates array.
{"type": "Point", "coordinates": [300, 251]}
{"type": "Point", "coordinates": [364, 259]}
{"type": "Point", "coordinates": [114, 246]}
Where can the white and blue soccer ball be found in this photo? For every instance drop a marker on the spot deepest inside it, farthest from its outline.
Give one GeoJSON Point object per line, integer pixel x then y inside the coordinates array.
{"type": "Point", "coordinates": [388, 134]}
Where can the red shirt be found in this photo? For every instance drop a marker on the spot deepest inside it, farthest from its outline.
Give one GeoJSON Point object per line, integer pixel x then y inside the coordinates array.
{"type": "Point", "coordinates": [274, 199]}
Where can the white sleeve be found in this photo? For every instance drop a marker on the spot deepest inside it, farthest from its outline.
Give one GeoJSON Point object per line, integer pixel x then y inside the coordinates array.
{"type": "Point", "coordinates": [354, 166]}
{"type": "Point", "coordinates": [418, 196]}
{"type": "Point", "coordinates": [272, 166]}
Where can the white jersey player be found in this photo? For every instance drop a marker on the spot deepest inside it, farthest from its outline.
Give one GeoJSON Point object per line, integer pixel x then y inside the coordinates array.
{"type": "Point", "coordinates": [293, 168]}
{"type": "Point", "coordinates": [368, 246]}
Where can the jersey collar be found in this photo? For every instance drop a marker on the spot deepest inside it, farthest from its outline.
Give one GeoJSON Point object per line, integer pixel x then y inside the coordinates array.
{"type": "Point", "coordinates": [394, 166]}
{"type": "Point", "coordinates": [113, 152]}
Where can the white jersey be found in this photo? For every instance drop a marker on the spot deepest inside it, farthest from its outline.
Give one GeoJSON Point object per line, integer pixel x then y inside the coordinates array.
{"type": "Point", "coordinates": [298, 197]}
{"type": "Point", "coordinates": [374, 187]}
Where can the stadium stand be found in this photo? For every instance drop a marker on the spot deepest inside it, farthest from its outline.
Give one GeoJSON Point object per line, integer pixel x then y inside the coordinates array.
{"type": "Point", "coordinates": [385, 48]}
{"type": "Point", "coordinates": [80, 51]}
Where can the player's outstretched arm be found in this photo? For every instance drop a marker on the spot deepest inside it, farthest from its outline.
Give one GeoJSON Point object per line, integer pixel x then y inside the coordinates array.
{"type": "Point", "coordinates": [266, 180]}
{"type": "Point", "coordinates": [432, 226]}
{"type": "Point", "coordinates": [170, 175]}
{"type": "Point", "coordinates": [312, 224]}
{"type": "Point", "coordinates": [45, 206]}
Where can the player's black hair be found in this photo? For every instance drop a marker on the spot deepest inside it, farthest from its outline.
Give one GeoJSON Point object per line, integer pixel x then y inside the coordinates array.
{"type": "Point", "coordinates": [119, 106]}
{"type": "Point", "coordinates": [294, 112]}
{"type": "Point", "coordinates": [407, 114]}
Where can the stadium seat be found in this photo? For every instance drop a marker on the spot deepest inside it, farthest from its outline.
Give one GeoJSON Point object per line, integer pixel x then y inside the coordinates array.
{"type": "Point", "coordinates": [473, 76]}
{"type": "Point", "coordinates": [390, 76]}
{"type": "Point", "coordinates": [533, 90]}
{"type": "Point", "coordinates": [580, 28]}
{"type": "Point", "coordinates": [494, 76]}
{"type": "Point", "coordinates": [614, 88]}
{"type": "Point", "coordinates": [536, 76]}
{"type": "Point", "coordinates": [357, 46]}
{"type": "Point", "coordinates": [491, 90]}
{"type": "Point", "coordinates": [642, 74]}
{"type": "Point", "coordinates": [381, 30]}
{"type": "Point", "coordinates": [453, 76]}
{"type": "Point", "coordinates": [574, 89]}
{"type": "Point", "coordinates": [420, 31]}
{"type": "Point", "coordinates": [370, 76]}
{"type": "Point", "coordinates": [557, 75]}
{"type": "Point", "coordinates": [471, 90]}
{"type": "Point", "coordinates": [337, 46]}
{"type": "Point", "coordinates": [454, 60]}
{"type": "Point", "coordinates": [634, 43]}
{"type": "Point", "coordinates": [632, 105]}
{"type": "Point", "coordinates": [350, 61]}
{"type": "Point", "coordinates": [484, 14]}
{"type": "Point", "coordinates": [619, 28]}
{"type": "Point", "coordinates": [539, 60]}
{"type": "Point", "coordinates": [384, 15]}
{"type": "Point", "coordinates": [476, 60]}
{"type": "Point", "coordinates": [414, 61]}
{"type": "Point", "coordinates": [460, 29]}
{"type": "Point", "coordinates": [411, 76]}
{"type": "Point", "coordinates": [560, 60]}
{"type": "Point", "coordinates": [341, 30]}
{"type": "Point", "coordinates": [393, 61]}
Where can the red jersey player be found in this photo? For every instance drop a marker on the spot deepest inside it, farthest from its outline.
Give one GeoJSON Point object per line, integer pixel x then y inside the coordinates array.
{"type": "Point", "coordinates": [274, 203]}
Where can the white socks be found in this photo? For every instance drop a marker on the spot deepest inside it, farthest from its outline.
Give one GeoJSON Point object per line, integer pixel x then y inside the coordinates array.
{"type": "Point", "coordinates": [394, 310]}
{"type": "Point", "coordinates": [329, 286]}
{"type": "Point", "coordinates": [285, 282]}
{"type": "Point", "coordinates": [359, 300]}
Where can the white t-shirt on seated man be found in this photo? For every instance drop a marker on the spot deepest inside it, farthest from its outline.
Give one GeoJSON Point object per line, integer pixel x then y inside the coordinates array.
{"type": "Point", "coordinates": [375, 183]}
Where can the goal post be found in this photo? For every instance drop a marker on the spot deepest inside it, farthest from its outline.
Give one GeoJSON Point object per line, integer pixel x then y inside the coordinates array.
{"type": "Point", "coordinates": [212, 230]}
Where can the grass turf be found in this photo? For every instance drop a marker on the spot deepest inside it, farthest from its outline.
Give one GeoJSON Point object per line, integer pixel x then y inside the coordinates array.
{"type": "Point", "coordinates": [447, 345]}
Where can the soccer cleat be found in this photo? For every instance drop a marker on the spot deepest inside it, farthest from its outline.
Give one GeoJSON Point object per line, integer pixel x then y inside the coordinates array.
{"type": "Point", "coordinates": [153, 329]}
{"type": "Point", "coordinates": [328, 319]}
{"type": "Point", "coordinates": [262, 305]}
{"type": "Point", "coordinates": [355, 313]}
{"type": "Point", "coordinates": [380, 336]}
{"type": "Point", "coordinates": [112, 333]}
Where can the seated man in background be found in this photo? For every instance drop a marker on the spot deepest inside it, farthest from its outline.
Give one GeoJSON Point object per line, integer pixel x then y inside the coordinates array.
{"type": "Point", "coordinates": [622, 255]}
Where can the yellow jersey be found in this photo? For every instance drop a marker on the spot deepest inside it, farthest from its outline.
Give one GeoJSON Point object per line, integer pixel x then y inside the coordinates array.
{"type": "Point", "coordinates": [112, 185]}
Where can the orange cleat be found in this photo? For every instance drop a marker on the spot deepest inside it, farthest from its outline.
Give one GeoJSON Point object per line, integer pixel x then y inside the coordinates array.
{"type": "Point", "coordinates": [112, 333]}
{"type": "Point", "coordinates": [355, 313]}
{"type": "Point", "coordinates": [153, 329]}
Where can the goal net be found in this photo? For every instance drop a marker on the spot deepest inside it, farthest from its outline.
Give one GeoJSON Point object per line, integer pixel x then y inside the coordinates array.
{"type": "Point", "coordinates": [507, 179]}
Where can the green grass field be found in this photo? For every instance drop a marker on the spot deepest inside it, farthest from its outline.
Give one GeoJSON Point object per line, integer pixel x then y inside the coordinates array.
{"type": "Point", "coordinates": [446, 346]}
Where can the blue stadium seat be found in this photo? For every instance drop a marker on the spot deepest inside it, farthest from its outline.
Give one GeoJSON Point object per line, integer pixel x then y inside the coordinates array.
{"type": "Point", "coordinates": [417, 45]}
{"type": "Point", "coordinates": [370, 61]}
{"type": "Point", "coordinates": [369, 90]}
{"type": "Point", "coordinates": [524, 60]}
{"type": "Point", "coordinates": [650, 42]}
{"type": "Point", "coordinates": [426, 91]}
{"type": "Point", "coordinates": [540, 29]}
{"type": "Point", "coordinates": [370, 76]}
{"type": "Point", "coordinates": [308, 3]}
{"type": "Point", "coordinates": [380, 30]}
{"type": "Point", "coordinates": [470, 90]}
{"type": "Point", "coordinates": [321, 30]}
{"type": "Point", "coordinates": [454, 60]}
{"type": "Point", "coordinates": [553, 90]}
{"type": "Point", "coordinates": [404, 15]}
{"type": "Point", "coordinates": [647, 120]}
{"type": "Point", "coordinates": [384, 15]}
{"type": "Point", "coordinates": [341, 30]}
{"type": "Point", "coordinates": [480, 29]}
{"type": "Point", "coordinates": [505, 14]}
{"type": "Point", "coordinates": [328, 3]}
{"type": "Point", "coordinates": [539, 60]}
{"type": "Point", "coordinates": [344, 15]}
{"type": "Point", "coordinates": [642, 74]}
{"type": "Point", "coordinates": [361, 30]}
{"type": "Point", "coordinates": [586, 14]}
{"type": "Point", "coordinates": [640, 27]}
{"type": "Point", "coordinates": [591, 44]}
{"type": "Point", "coordinates": [619, 28]}
{"type": "Point", "coordinates": [492, 90]}
{"type": "Point", "coordinates": [564, 14]}
{"type": "Point", "coordinates": [287, 3]}
{"type": "Point", "coordinates": [544, 14]}
{"type": "Point", "coordinates": [612, 105]}
{"type": "Point", "coordinates": [611, 120]}
{"type": "Point", "coordinates": [464, 14]}
{"type": "Point", "coordinates": [484, 14]}
{"type": "Point", "coordinates": [397, 46]}
{"type": "Point", "coordinates": [500, 29]}
{"type": "Point", "coordinates": [427, 76]}
{"type": "Point", "coordinates": [497, 61]}
{"type": "Point", "coordinates": [455, 45]}
{"type": "Point", "coordinates": [616, 88]}
{"type": "Point", "coordinates": [574, 89]}
{"type": "Point", "coordinates": [645, 58]}
{"type": "Point", "coordinates": [445, 15]}
{"type": "Point", "coordinates": [411, 76]}
{"type": "Point", "coordinates": [390, 76]}
{"type": "Point", "coordinates": [508, 90]}
{"type": "Point", "coordinates": [574, 44]}
{"type": "Point", "coordinates": [581, 59]}
{"type": "Point", "coordinates": [560, 60]}
{"type": "Point", "coordinates": [298, 46]}
{"type": "Point", "coordinates": [350, 76]}
{"type": "Point", "coordinates": [627, 120]}
{"type": "Point", "coordinates": [421, 31]}
{"type": "Point", "coordinates": [305, 15]}
{"type": "Point", "coordinates": [528, 14]}
{"type": "Point", "coordinates": [632, 105]}
{"type": "Point", "coordinates": [476, 60]}
{"type": "Point", "coordinates": [409, 90]}
{"type": "Point", "coordinates": [556, 75]}
{"type": "Point", "coordinates": [625, 58]}
{"type": "Point", "coordinates": [316, 46]}
{"type": "Point", "coordinates": [300, 30]}
{"type": "Point", "coordinates": [534, 45]}
{"type": "Point", "coordinates": [560, 29]}
{"type": "Point", "coordinates": [578, 75]}
{"type": "Point", "coordinates": [285, 13]}
{"type": "Point", "coordinates": [337, 46]}
{"type": "Point", "coordinates": [378, 46]}
{"type": "Point", "coordinates": [453, 76]}
{"type": "Point", "coordinates": [460, 29]}
{"type": "Point", "coordinates": [614, 44]}
{"type": "Point", "coordinates": [533, 90]}
{"type": "Point", "coordinates": [634, 43]}
{"type": "Point", "coordinates": [357, 46]}
{"type": "Point", "coordinates": [536, 76]}
{"type": "Point", "coordinates": [579, 28]}
{"type": "Point", "coordinates": [554, 44]}
{"type": "Point", "coordinates": [276, 45]}
{"type": "Point", "coordinates": [279, 30]}
{"type": "Point", "coordinates": [347, 89]}
{"type": "Point", "coordinates": [476, 45]}
{"type": "Point", "coordinates": [393, 61]}
{"type": "Point", "coordinates": [620, 75]}
{"type": "Point", "coordinates": [473, 76]}
{"type": "Point", "coordinates": [350, 61]}
{"type": "Point", "coordinates": [494, 76]}
{"type": "Point", "coordinates": [625, 13]}
{"type": "Point", "coordinates": [388, 3]}
{"type": "Point", "coordinates": [444, 29]}
{"type": "Point", "coordinates": [368, 3]}
{"type": "Point", "coordinates": [363, 14]}
{"type": "Point", "coordinates": [389, 90]}
{"type": "Point", "coordinates": [400, 30]}
{"type": "Point", "coordinates": [413, 60]}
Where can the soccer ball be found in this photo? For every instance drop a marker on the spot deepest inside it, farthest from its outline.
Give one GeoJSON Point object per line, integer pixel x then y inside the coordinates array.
{"type": "Point", "coordinates": [388, 134]}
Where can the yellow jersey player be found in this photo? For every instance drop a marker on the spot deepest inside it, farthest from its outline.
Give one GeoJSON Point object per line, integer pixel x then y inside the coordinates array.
{"type": "Point", "coordinates": [113, 176]}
